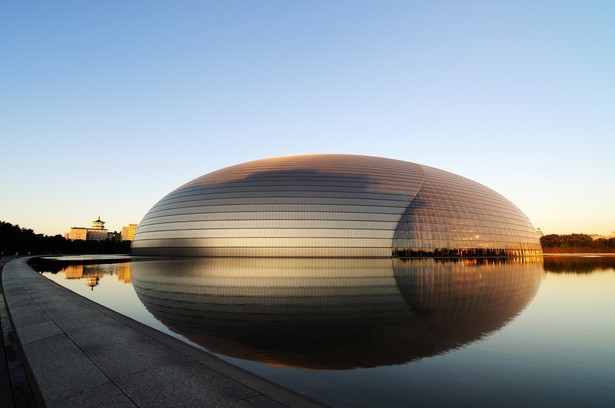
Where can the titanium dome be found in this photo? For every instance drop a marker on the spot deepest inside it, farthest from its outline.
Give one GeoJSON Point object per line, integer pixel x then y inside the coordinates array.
{"type": "Point", "coordinates": [334, 206]}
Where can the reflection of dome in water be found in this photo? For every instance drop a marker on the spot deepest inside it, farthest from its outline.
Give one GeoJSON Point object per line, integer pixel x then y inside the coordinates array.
{"type": "Point", "coordinates": [333, 313]}
{"type": "Point", "coordinates": [461, 301]}
{"type": "Point", "coordinates": [334, 205]}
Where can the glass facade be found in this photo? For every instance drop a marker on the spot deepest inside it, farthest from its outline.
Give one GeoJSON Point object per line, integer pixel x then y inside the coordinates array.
{"type": "Point", "coordinates": [455, 216]}
{"type": "Point", "coordinates": [334, 206]}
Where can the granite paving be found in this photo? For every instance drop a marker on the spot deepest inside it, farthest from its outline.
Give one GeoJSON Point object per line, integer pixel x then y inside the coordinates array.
{"type": "Point", "coordinates": [81, 354]}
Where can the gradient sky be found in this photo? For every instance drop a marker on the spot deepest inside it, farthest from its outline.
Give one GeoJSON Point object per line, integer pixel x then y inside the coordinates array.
{"type": "Point", "coordinates": [105, 107]}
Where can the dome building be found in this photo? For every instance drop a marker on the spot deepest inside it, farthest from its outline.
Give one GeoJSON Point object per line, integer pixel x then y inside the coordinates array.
{"type": "Point", "coordinates": [334, 206]}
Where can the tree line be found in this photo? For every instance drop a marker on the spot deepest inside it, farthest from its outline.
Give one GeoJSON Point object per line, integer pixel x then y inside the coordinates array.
{"type": "Point", "coordinates": [559, 243]}
{"type": "Point", "coordinates": [14, 239]}
{"type": "Point", "coordinates": [23, 241]}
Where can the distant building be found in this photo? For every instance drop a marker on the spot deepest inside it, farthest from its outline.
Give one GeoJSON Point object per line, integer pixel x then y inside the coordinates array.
{"type": "Point", "coordinates": [97, 232]}
{"type": "Point", "coordinates": [77, 233]}
{"type": "Point", "coordinates": [114, 236]}
{"type": "Point", "coordinates": [73, 271]}
{"type": "Point", "coordinates": [539, 233]}
{"type": "Point", "coordinates": [598, 236]}
{"type": "Point", "coordinates": [128, 232]}
{"type": "Point", "coordinates": [98, 224]}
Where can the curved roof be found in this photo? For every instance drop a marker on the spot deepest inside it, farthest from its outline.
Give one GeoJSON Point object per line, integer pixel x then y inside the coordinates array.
{"type": "Point", "coordinates": [330, 206]}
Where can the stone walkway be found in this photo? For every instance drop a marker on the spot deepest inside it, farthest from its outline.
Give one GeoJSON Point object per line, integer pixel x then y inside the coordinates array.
{"type": "Point", "coordinates": [81, 354]}
{"type": "Point", "coordinates": [14, 385]}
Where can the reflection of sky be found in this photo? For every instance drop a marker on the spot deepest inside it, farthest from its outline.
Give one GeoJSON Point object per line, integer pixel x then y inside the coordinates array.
{"type": "Point", "coordinates": [563, 342]}
{"type": "Point", "coordinates": [559, 292]}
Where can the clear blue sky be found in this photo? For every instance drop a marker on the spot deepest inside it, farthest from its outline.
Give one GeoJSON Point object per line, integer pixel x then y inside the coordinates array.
{"type": "Point", "coordinates": [105, 107]}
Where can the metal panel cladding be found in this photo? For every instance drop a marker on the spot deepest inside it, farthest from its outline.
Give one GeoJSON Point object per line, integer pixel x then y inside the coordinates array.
{"type": "Point", "coordinates": [319, 206]}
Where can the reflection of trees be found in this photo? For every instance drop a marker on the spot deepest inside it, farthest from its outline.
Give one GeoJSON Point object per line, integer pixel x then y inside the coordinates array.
{"type": "Point", "coordinates": [578, 264]}
{"type": "Point", "coordinates": [92, 269]}
{"type": "Point", "coordinates": [55, 265]}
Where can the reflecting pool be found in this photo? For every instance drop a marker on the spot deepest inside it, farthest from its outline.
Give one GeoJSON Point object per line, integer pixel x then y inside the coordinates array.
{"type": "Point", "coordinates": [383, 332]}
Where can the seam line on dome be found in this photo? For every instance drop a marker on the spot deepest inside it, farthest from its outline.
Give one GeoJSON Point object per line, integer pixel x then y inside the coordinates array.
{"type": "Point", "coordinates": [418, 190]}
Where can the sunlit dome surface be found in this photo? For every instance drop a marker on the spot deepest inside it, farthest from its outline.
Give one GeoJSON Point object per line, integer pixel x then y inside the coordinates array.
{"type": "Point", "coordinates": [334, 206]}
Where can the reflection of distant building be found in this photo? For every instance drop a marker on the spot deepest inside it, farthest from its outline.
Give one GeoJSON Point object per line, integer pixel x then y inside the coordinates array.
{"type": "Point", "coordinates": [73, 271]}
{"type": "Point", "coordinates": [93, 273]}
{"type": "Point", "coordinates": [128, 232]}
{"type": "Point", "coordinates": [123, 272]}
{"type": "Point", "coordinates": [97, 232]}
{"type": "Point", "coordinates": [92, 281]}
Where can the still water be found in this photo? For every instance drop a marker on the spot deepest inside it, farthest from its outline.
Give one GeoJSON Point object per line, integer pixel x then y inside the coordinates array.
{"type": "Point", "coordinates": [384, 332]}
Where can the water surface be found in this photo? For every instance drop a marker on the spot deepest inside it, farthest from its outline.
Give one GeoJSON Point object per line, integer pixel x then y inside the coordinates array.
{"type": "Point", "coordinates": [385, 332]}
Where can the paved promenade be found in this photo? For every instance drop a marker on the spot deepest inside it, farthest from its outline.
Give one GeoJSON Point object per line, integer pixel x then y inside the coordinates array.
{"type": "Point", "coordinates": [81, 354]}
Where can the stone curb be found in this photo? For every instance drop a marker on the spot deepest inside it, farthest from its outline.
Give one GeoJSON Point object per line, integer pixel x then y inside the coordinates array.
{"type": "Point", "coordinates": [82, 354]}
